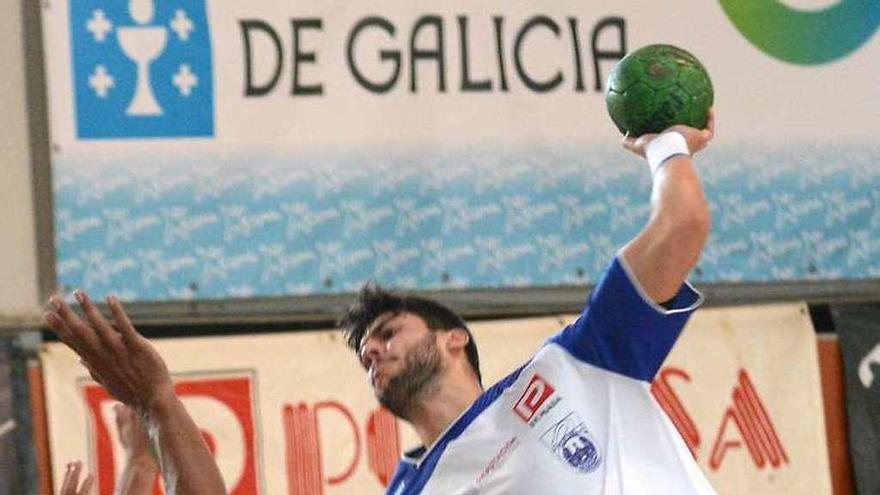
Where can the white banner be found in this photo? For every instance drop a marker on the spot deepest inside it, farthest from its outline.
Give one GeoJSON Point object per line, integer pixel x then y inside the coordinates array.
{"type": "Point", "coordinates": [318, 74]}
{"type": "Point", "coordinates": [292, 413]}
{"type": "Point", "coordinates": [207, 150]}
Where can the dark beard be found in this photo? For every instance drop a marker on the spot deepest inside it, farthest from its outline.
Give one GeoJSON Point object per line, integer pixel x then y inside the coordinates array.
{"type": "Point", "coordinates": [417, 379]}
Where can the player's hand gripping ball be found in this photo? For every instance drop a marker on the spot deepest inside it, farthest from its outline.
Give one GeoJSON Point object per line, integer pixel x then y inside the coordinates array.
{"type": "Point", "coordinates": [656, 87]}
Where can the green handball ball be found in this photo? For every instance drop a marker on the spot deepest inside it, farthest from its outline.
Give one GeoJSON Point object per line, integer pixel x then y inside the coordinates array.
{"type": "Point", "coordinates": [656, 87]}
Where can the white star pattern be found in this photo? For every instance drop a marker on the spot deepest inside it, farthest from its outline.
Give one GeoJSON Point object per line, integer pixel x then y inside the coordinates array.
{"type": "Point", "coordinates": [182, 25]}
{"type": "Point", "coordinates": [185, 80]}
{"type": "Point", "coordinates": [101, 81]}
{"type": "Point", "coordinates": [99, 26]}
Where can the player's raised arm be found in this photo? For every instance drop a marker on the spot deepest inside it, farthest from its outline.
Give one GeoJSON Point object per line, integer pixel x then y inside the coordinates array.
{"type": "Point", "coordinates": [663, 253]}
{"type": "Point", "coordinates": [129, 367]}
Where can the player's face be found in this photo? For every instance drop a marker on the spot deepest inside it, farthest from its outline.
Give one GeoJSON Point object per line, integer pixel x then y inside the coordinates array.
{"type": "Point", "coordinates": [402, 360]}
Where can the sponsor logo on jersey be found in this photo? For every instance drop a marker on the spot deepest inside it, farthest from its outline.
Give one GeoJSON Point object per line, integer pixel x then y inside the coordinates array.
{"type": "Point", "coordinates": [536, 394]}
{"type": "Point", "coordinates": [571, 442]}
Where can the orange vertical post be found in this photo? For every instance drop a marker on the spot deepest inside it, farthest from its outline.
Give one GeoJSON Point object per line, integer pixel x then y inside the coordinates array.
{"type": "Point", "coordinates": [40, 427]}
{"type": "Point", "coordinates": [834, 399]}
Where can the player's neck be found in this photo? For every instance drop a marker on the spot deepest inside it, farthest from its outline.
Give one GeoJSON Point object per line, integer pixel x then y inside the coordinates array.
{"type": "Point", "coordinates": [436, 412]}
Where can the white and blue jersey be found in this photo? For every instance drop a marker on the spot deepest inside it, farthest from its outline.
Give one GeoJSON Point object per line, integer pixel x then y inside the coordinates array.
{"type": "Point", "coordinates": [579, 417]}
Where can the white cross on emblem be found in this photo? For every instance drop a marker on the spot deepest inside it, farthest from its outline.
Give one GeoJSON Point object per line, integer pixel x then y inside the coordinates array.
{"type": "Point", "coordinates": [101, 81]}
{"type": "Point", "coordinates": [185, 80]}
{"type": "Point", "coordinates": [182, 25]}
{"type": "Point", "coordinates": [99, 25]}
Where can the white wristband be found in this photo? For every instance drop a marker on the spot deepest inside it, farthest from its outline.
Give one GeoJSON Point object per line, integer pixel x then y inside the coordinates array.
{"type": "Point", "coordinates": [663, 147]}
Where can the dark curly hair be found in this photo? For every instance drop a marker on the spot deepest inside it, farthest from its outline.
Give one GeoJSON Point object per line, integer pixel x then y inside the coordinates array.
{"type": "Point", "coordinates": [372, 301]}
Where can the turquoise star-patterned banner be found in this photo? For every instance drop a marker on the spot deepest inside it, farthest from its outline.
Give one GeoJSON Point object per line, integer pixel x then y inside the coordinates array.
{"type": "Point", "coordinates": [269, 226]}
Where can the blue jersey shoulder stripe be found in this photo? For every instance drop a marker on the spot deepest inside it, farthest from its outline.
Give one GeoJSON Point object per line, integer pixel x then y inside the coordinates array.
{"type": "Point", "coordinates": [423, 471]}
{"type": "Point", "coordinates": [622, 329]}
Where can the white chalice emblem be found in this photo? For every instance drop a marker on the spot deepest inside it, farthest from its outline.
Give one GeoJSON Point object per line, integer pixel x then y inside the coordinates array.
{"type": "Point", "coordinates": [142, 44]}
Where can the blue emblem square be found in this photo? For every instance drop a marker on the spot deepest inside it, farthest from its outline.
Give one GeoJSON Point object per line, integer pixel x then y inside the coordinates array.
{"type": "Point", "coordinates": [573, 444]}
{"type": "Point", "coordinates": [142, 69]}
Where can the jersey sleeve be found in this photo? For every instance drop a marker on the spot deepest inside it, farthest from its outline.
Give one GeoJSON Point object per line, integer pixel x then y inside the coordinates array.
{"type": "Point", "coordinates": [622, 330]}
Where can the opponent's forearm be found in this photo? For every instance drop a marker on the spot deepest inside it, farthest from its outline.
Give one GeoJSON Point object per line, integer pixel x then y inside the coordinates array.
{"type": "Point", "coordinates": [138, 476]}
{"type": "Point", "coordinates": [188, 468]}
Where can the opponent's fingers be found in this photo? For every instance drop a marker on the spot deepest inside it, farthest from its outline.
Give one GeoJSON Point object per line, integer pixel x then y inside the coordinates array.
{"type": "Point", "coordinates": [64, 332]}
{"type": "Point", "coordinates": [71, 478]}
{"type": "Point", "coordinates": [80, 332]}
{"type": "Point", "coordinates": [86, 487]}
{"type": "Point", "coordinates": [103, 329]}
{"type": "Point", "coordinates": [57, 325]}
{"type": "Point", "coordinates": [123, 323]}
{"type": "Point", "coordinates": [65, 482]}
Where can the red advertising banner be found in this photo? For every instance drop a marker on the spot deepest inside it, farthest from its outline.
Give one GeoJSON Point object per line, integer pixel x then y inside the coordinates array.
{"type": "Point", "coordinates": [225, 408]}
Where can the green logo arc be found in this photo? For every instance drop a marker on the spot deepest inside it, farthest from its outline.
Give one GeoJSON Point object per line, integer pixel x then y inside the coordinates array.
{"type": "Point", "coordinates": [805, 37]}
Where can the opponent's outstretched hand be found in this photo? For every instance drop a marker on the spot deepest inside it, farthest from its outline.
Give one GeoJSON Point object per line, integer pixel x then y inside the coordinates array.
{"type": "Point", "coordinates": [129, 367]}
{"type": "Point", "coordinates": [697, 139]}
{"type": "Point", "coordinates": [71, 485]}
{"type": "Point", "coordinates": [118, 358]}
